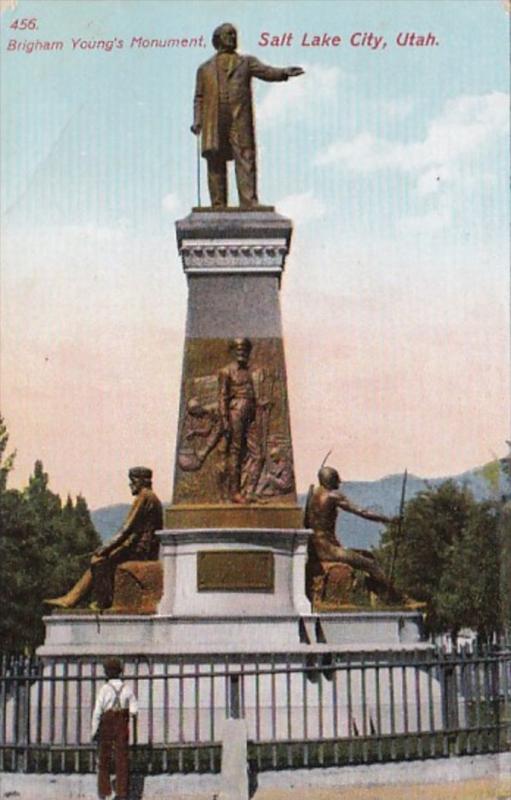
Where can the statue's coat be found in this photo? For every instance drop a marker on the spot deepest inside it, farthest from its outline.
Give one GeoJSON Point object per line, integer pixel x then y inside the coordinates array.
{"type": "Point", "coordinates": [206, 102]}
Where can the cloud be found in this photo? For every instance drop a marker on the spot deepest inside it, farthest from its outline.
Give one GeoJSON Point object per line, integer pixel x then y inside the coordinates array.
{"type": "Point", "coordinates": [172, 203]}
{"type": "Point", "coordinates": [397, 108]}
{"type": "Point", "coordinates": [434, 220]}
{"type": "Point", "coordinates": [363, 153]}
{"type": "Point", "coordinates": [302, 95]}
{"type": "Point", "coordinates": [437, 162]}
{"type": "Point", "coordinates": [465, 124]}
{"type": "Point", "coordinates": [302, 207]}
{"type": "Point", "coordinates": [433, 180]}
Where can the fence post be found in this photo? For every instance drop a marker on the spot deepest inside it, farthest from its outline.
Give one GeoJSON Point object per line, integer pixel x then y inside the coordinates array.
{"type": "Point", "coordinates": [496, 717]}
{"type": "Point", "coordinates": [234, 697]}
{"type": "Point", "coordinates": [449, 697]}
{"type": "Point", "coordinates": [234, 774]}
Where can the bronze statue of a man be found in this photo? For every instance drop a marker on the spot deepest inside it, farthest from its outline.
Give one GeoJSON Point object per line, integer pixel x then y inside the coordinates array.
{"type": "Point", "coordinates": [223, 114]}
{"type": "Point", "coordinates": [238, 413]}
{"type": "Point", "coordinates": [136, 541]}
{"type": "Point", "coordinates": [323, 505]}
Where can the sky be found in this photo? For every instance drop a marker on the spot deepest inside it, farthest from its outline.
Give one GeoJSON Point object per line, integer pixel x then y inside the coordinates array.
{"type": "Point", "coordinates": [392, 162]}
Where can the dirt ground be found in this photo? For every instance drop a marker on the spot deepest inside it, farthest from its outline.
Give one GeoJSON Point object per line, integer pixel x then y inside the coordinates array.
{"type": "Point", "coordinates": [481, 789]}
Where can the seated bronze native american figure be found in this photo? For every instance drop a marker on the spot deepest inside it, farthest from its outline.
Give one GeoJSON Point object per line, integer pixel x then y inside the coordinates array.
{"type": "Point", "coordinates": [323, 504]}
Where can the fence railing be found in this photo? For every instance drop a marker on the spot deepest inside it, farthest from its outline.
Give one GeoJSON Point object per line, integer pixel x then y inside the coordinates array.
{"type": "Point", "coordinates": [300, 709]}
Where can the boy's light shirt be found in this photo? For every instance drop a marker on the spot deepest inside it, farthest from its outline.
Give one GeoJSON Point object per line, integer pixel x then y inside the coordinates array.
{"type": "Point", "coordinates": [106, 699]}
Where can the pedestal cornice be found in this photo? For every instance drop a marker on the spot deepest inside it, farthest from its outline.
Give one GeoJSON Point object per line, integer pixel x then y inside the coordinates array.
{"type": "Point", "coordinates": [248, 256]}
{"type": "Point", "coordinates": [233, 242]}
{"type": "Point", "coordinates": [255, 537]}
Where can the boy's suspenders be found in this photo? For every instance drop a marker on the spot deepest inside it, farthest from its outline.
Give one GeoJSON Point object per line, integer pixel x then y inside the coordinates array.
{"type": "Point", "coordinates": [117, 700]}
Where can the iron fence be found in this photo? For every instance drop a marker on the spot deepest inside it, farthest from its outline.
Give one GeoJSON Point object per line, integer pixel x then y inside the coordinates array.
{"type": "Point", "coordinates": [301, 709]}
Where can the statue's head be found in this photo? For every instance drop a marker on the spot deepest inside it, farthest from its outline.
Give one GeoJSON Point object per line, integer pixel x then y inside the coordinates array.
{"type": "Point", "coordinates": [140, 477]}
{"type": "Point", "coordinates": [329, 478]}
{"type": "Point", "coordinates": [242, 348]}
{"type": "Point", "coordinates": [112, 668]}
{"type": "Point", "coordinates": [225, 38]}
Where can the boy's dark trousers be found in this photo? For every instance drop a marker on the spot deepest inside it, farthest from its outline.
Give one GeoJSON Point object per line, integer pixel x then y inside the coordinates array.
{"type": "Point", "coordinates": [114, 742]}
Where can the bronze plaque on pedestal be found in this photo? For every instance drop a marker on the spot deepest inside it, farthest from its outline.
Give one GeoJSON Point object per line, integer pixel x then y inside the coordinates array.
{"type": "Point", "coordinates": [235, 571]}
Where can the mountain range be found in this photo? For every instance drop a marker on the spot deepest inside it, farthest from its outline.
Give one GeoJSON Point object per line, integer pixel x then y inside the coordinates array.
{"type": "Point", "coordinates": [383, 496]}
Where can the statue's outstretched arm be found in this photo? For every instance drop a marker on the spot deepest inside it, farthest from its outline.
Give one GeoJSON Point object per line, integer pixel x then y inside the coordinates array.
{"type": "Point", "coordinates": [351, 508]}
{"type": "Point", "coordinates": [267, 73]}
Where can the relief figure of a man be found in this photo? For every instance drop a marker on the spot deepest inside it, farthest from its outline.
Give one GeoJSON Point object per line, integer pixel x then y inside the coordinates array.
{"type": "Point", "coordinates": [238, 413]}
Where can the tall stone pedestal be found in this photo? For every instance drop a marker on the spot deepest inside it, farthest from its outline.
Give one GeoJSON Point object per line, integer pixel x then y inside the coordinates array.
{"type": "Point", "coordinates": [234, 439]}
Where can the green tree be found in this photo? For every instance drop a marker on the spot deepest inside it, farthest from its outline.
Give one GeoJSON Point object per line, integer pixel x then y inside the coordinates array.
{"type": "Point", "coordinates": [447, 555]}
{"type": "Point", "coordinates": [75, 539]}
{"type": "Point", "coordinates": [469, 591]}
{"type": "Point", "coordinates": [504, 529]}
{"type": "Point", "coordinates": [19, 561]}
{"type": "Point", "coordinates": [17, 539]}
{"type": "Point", "coordinates": [44, 547]}
{"type": "Point", "coordinates": [6, 462]}
{"type": "Point", "coordinates": [45, 505]}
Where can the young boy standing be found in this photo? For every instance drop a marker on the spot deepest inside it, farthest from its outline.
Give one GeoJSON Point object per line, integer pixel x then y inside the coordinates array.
{"type": "Point", "coordinates": [115, 704]}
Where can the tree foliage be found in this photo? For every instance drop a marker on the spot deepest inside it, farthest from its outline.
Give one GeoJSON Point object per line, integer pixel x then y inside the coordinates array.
{"type": "Point", "coordinates": [447, 554]}
{"type": "Point", "coordinates": [6, 462]}
{"type": "Point", "coordinates": [469, 590]}
{"type": "Point", "coordinates": [44, 547]}
{"type": "Point", "coordinates": [505, 565]}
